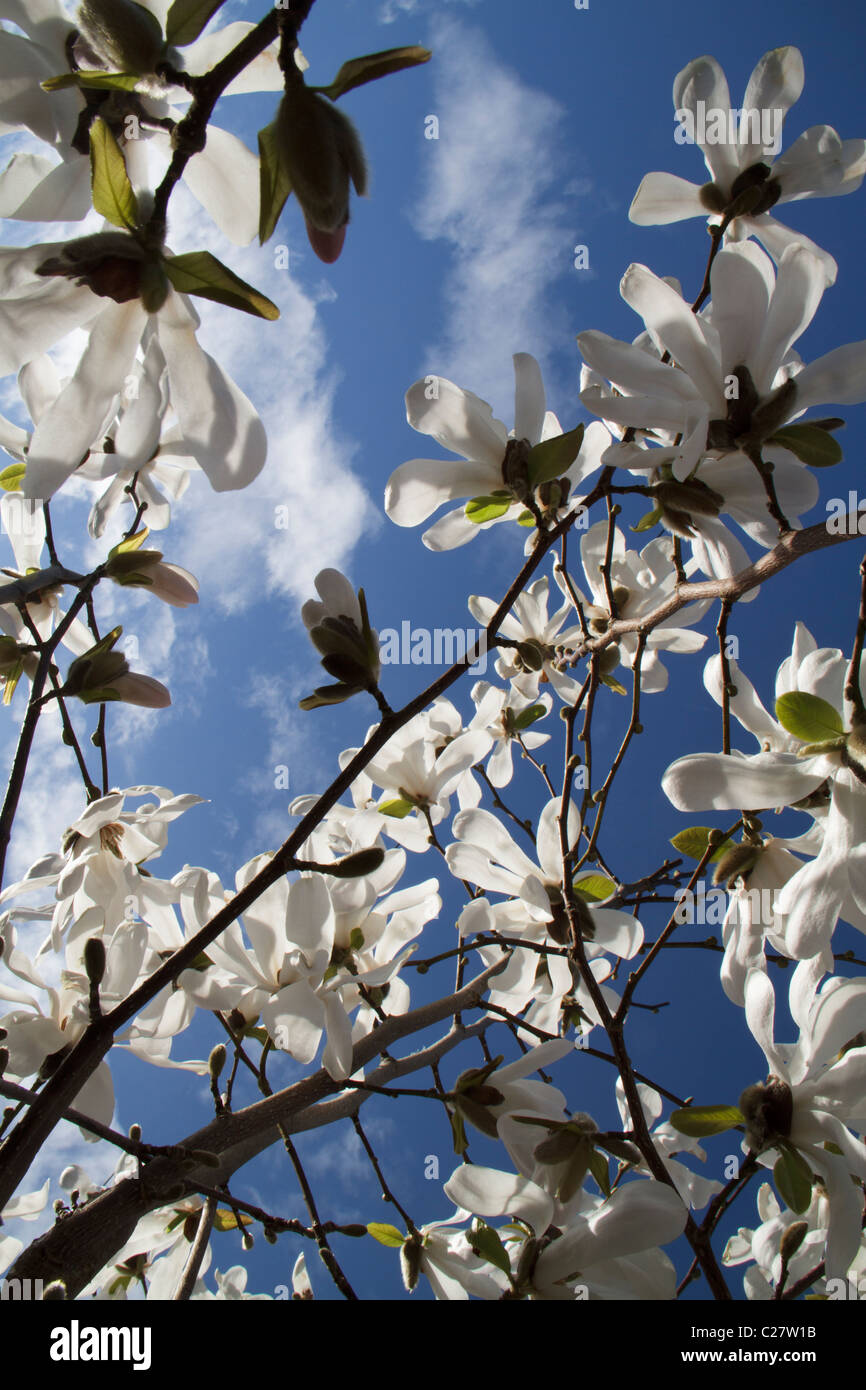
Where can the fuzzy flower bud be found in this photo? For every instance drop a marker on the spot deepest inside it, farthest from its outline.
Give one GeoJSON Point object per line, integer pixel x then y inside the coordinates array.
{"type": "Point", "coordinates": [321, 153]}
{"type": "Point", "coordinates": [125, 35]}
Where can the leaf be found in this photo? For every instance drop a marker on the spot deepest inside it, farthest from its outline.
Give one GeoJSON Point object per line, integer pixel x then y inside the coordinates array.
{"type": "Point", "coordinates": [528, 716]}
{"type": "Point", "coordinates": [808, 717]}
{"type": "Point", "coordinates": [694, 841]}
{"type": "Point", "coordinates": [328, 695]}
{"type": "Point", "coordinates": [484, 1241]}
{"type": "Point", "coordinates": [274, 182]}
{"type": "Point", "coordinates": [594, 888]}
{"type": "Point", "coordinates": [113, 197]}
{"type": "Point", "coordinates": [101, 81]}
{"type": "Point", "coordinates": [398, 808]}
{"type": "Point", "coordinates": [599, 1166]}
{"type": "Point", "coordinates": [198, 272]}
{"type": "Point", "coordinates": [12, 477]}
{"type": "Point", "coordinates": [699, 1121]}
{"type": "Point", "coordinates": [386, 1235]}
{"type": "Point", "coordinates": [372, 66]}
{"type": "Point", "coordinates": [490, 508]}
{"type": "Point", "coordinates": [647, 522]}
{"type": "Point", "coordinates": [810, 444]}
{"type": "Point", "coordinates": [793, 1177]}
{"type": "Point", "coordinates": [187, 18]}
{"type": "Point", "coordinates": [526, 519]}
{"type": "Point", "coordinates": [613, 684]}
{"type": "Point", "coordinates": [225, 1220]}
{"type": "Point", "coordinates": [553, 457]}
{"type": "Point", "coordinates": [131, 543]}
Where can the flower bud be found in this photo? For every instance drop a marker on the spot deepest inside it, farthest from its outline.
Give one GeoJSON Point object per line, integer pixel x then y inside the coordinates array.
{"type": "Point", "coordinates": [515, 468]}
{"type": "Point", "coordinates": [111, 264]}
{"type": "Point", "coordinates": [216, 1061]}
{"type": "Point", "coordinates": [792, 1239]}
{"type": "Point", "coordinates": [768, 1109]}
{"type": "Point", "coordinates": [125, 35]}
{"type": "Point", "coordinates": [320, 152]}
{"type": "Point", "coordinates": [410, 1262]}
{"type": "Point", "coordinates": [54, 1292]}
{"type": "Point", "coordinates": [94, 959]}
{"type": "Point", "coordinates": [737, 862]}
{"type": "Point", "coordinates": [364, 861]}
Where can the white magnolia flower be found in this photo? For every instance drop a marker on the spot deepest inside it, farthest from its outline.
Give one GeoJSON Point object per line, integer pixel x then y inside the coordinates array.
{"type": "Point", "coordinates": [597, 1249]}
{"type": "Point", "coordinates": [821, 1097]}
{"type": "Point", "coordinates": [640, 583]}
{"type": "Point", "coordinates": [761, 1245]}
{"type": "Point", "coordinates": [223, 177]}
{"type": "Point", "coordinates": [696, 1191]}
{"type": "Point", "coordinates": [507, 717]}
{"type": "Point", "coordinates": [743, 155]}
{"type": "Point", "coordinates": [220, 429]}
{"type": "Point", "coordinates": [464, 424]}
{"type": "Point", "coordinates": [419, 769]}
{"type": "Point", "coordinates": [529, 624]}
{"type": "Point", "coordinates": [728, 384]}
{"type": "Point", "coordinates": [280, 976]}
{"type": "Point", "coordinates": [790, 771]}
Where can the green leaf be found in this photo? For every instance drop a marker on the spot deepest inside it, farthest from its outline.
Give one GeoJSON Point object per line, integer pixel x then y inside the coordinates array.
{"type": "Point", "coordinates": [131, 543]}
{"type": "Point", "coordinates": [458, 1131]}
{"type": "Point", "coordinates": [613, 684]}
{"type": "Point", "coordinates": [594, 888]}
{"type": "Point", "coordinates": [328, 695]}
{"type": "Point", "coordinates": [225, 1220]}
{"type": "Point", "coordinates": [101, 81]}
{"type": "Point", "coordinates": [528, 716]}
{"type": "Point", "coordinates": [356, 939]}
{"type": "Point", "coordinates": [198, 272]}
{"type": "Point", "coordinates": [386, 1235]}
{"type": "Point", "coordinates": [113, 197]}
{"type": "Point", "coordinates": [187, 18]}
{"type": "Point", "coordinates": [599, 1166]}
{"type": "Point", "coordinates": [699, 1121]}
{"type": "Point", "coordinates": [12, 477]}
{"type": "Point", "coordinates": [793, 1177]}
{"type": "Point", "coordinates": [810, 444]}
{"type": "Point", "coordinates": [647, 522]}
{"type": "Point", "coordinates": [482, 509]}
{"type": "Point", "coordinates": [484, 1241]}
{"type": "Point", "coordinates": [808, 717]}
{"type": "Point", "coordinates": [372, 66]}
{"type": "Point", "coordinates": [398, 808]}
{"type": "Point", "coordinates": [274, 182]}
{"type": "Point", "coordinates": [553, 457]}
{"type": "Point", "coordinates": [694, 841]}
{"type": "Point", "coordinates": [526, 519]}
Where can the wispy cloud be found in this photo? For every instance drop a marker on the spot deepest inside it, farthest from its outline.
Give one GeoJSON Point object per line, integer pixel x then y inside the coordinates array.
{"type": "Point", "coordinates": [494, 190]}
{"type": "Point", "coordinates": [392, 10]}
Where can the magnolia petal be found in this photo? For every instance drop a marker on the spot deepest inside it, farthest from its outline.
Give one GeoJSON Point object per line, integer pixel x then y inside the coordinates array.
{"type": "Point", "coordinates": [665, 198]}
{"type": "Point", "coordinates": [221, 430]}
{"type": "Point", "coordinates": [725, 782]}
{"type": "Point", "coordinates": [489, 1192]}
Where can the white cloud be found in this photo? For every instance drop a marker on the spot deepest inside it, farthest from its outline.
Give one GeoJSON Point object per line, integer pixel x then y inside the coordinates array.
{"type": "Point", "coordinates": [396, 9]}
{"type": "Point", "coordinates": [494, 190]}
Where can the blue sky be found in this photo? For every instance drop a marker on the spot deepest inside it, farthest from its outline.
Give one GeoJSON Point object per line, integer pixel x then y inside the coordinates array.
{"type": "Point", "coordinates": [464, 254]}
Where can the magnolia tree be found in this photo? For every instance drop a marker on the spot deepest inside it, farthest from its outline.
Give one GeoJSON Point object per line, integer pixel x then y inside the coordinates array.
{"type": "Point", "coordinates": [710, 424]}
